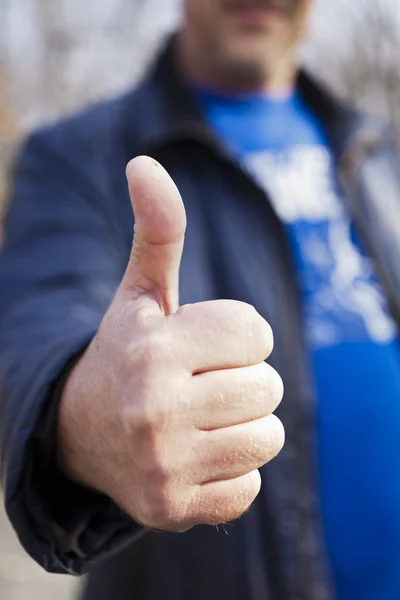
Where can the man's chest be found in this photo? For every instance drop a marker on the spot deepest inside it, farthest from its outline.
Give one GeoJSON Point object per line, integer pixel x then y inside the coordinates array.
{"type": "Point", "coordinates": [342, 298]}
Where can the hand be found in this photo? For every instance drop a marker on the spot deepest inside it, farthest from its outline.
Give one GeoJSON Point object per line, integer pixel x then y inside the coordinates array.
{"type": "Point", "coordinates": [169, 411]}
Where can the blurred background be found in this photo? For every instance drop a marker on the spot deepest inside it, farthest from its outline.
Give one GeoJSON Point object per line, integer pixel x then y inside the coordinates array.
{"type": "Point", "coordinates": [57, 55]}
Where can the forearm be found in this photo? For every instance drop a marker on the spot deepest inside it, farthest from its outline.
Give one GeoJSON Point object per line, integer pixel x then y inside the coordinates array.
{"type": "Point", "coordinates": [64, 526]}
{"type": "Point", "coordinates": [59, 268]}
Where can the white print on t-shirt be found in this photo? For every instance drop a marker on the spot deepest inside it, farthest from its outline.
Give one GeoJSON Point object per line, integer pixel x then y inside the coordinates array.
{"type": "Point", "coordinates": [344, 299]}
{"type": "Point", "coordinates": [296, 182]}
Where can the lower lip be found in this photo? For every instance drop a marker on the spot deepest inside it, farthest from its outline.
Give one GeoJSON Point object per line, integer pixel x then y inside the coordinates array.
{"type": "Point", "coordinates": [254, 15]}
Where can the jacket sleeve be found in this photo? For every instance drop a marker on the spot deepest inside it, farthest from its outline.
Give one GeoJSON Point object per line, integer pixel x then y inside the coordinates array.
{"type": "Point", "coordinates": [59, 267]}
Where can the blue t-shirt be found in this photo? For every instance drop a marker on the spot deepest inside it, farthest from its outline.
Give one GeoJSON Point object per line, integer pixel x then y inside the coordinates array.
{"type": "Point", "coordinates": [352, 339]}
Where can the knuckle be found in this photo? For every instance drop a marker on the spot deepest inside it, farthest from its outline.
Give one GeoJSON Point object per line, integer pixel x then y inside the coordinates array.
{"type": "Point", "coordinates": [275, 436]}
{"type": "Point", "coordinates": [254, 451]}
{"type": "Point", "coordinates": [265, 443]}
{"type": "Point", "coordinates": [237, 500]}
{"type": "Point", "coordinates": [245, 313]}
{"type": "Point", "coordinates": [222, 510]}
{"type": "Point", "coordinates": [258, 329]}
{"type": "Point", "coordinates": [146, 350]}
{"type": "Point", "coordinates": [186, 310]}
{"type": "Point", "coordinates": [144, 317]}
{"type": "Point", "coordinates": [146, 430]}
{"type": "Point", "coordinates": [222, 513]}
{"type": "Point", "coordinates": [164, 497]}
{"type": "Point", "coordinates": [145, 422]}
{"type": "Point", "coordinates": [163, 512]}
{"type": "Point", "coordinates": [275, 387]}
{"type": "Point", "coordinates": [159, 511]}
{"type": "Point", "coordinates": [151, 504]}
{"type": "Point", "coordinates": [251, 486]}
{"type": "Point", "coordinates": [266, 388]}
{"type": "Point", "coordinates": [171, 507]}
{"type": "Point", "coordinates": [264, 336]}
{"type": "Point", "coordinates": [233, 314]}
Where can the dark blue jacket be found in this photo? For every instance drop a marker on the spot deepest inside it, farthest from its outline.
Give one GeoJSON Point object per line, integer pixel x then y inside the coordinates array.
{"type": "Point", "coordinates": [68, 237]}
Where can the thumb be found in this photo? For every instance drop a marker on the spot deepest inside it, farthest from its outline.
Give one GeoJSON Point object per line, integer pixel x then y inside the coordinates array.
{"type": "Point", "coordinates": [160, 223]}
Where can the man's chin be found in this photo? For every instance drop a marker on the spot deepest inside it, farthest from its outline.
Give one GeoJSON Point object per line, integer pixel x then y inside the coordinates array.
{"type": "Point", "coordinates": [249, 48]}
{"type": "Point", "coordinates": [243, 71]}
{"type": "Point", "coordinates": [250, 59]}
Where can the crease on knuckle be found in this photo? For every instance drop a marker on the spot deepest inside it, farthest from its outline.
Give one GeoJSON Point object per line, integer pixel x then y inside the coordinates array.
{"type": "Point", "coordinates": [275, 389]}
{"type": "Point", "coordinates": [258, 333]}
{"type": "Point", "coordinates": [265, 337]}
{"type": "Point", "coordinates": [276, 437]}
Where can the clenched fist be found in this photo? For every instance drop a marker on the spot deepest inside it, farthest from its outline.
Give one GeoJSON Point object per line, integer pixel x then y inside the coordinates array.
{"type": "Point", "coordinates": [169, 411]}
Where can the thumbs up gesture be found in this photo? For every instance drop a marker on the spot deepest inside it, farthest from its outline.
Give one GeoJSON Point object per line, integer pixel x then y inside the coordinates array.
{"type": "Point", "coordinates": [169, 411]}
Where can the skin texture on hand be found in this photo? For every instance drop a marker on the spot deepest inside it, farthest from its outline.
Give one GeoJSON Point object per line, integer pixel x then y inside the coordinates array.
{"type": "Point", "coordinates": [169, 411]}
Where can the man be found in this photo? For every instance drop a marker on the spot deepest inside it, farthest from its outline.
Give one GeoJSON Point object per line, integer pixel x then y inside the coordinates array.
{"type": "Point", "coordinates": [129, 425]}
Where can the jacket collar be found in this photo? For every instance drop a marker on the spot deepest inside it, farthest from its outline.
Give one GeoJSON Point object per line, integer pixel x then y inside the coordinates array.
{"type": "Point", "coordinates": [164, 109]}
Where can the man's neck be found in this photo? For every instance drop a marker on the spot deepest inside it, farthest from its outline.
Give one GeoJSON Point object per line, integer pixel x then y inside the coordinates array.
{"type": "Point", "coordinates": [276, 83]}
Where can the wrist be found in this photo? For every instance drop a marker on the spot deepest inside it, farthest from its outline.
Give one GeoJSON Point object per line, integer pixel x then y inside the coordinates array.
{"type": "Point", "coordinates": [70, 454]}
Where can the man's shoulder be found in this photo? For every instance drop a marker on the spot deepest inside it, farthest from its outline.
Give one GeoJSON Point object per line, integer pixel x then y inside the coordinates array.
{"type": "Point", "coordinates": [344, 120]}
{"type": "Point", "coordinates": [92, 129]}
